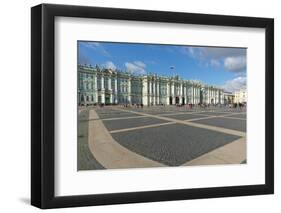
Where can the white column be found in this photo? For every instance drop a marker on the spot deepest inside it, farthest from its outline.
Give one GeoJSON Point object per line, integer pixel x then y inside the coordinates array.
{"type": "Point", "coordinates": [217, 101]}
{"type": "Point", "coordinates": [154, 92]}
{"type": "Point", "coordinates": [180, 93]}
{"type": "Point", "coordinates": [205, 95]}
{"type": "Point", "coordinates": [109, 82]}
{"type": "Point", "coordinates": [193, 90]}
{"type": "Point", "coordinates": [115, 90]}
{"type": "Point", "coordinates": [158, 92]}
{"type": "Point", "coordinates": [197, 95]}
{"type": "Point", "coordinates": [168, 94]}
{"type": "Point", "coordinates": [129, 90]}
{"type": "Point", "coordinates": [183, 96]}
{"type": "Point", "coordinates": [211, 96]}
{"type": "Point", "coordinates": [96, 89]}
{"type": "Point", "coordinates": [110, 91]}
{"type": "Point", "coordinates": [215, 95]}
{"type": "Point", "coordinates": [208, 99]}
{"type": "Point", "coordinates": [85, 99]}
{"type": "Point", "coordinates": [186, 94]}
{"type": "Point", "coordinates": [150, 91]}
{"type": "Point", "coordinates": [102, 82]}
{"type": "Point", "coordinates": [192, 94]}
{"type": "Point", "coordinates": [144, 91]}
{"type": "Point", "coordinates": [102, 90]}
{"type": "Point", "coordinates": [173, 92]}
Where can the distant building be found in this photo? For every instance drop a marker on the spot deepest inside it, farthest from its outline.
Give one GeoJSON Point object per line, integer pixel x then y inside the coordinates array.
{"type": "Point", "coordinates": [105, 86]}
{"type": "Point", "coordinates": [228, 98]}
{"type": "Point", "coordinates": [241, 96]}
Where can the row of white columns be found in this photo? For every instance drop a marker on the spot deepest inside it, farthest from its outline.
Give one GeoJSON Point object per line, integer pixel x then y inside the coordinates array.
{"type": "Point", "coordinates": [181, 91]}
{"type": "Point", "coordinates": [151, 92]}
{"type": "Point", "coordinates": [153, 97]}
{"type": "Point", "coordinates": [213, 96]}
{"type": "Point", "coordinates": [113, 96]}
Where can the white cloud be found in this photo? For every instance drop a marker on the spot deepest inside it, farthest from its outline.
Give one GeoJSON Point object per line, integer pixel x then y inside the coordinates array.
{"type": "Point", "coordinates": [140, 64]}
{"type": "Point", "coordinates": [235, 64]}
{"type": "Point", "coordinates": [110, 65]}
{"type": "Point", "coordinates": [234, 59]}
{"type": "Point", "coordinates": [235, 84]}
{"type": "Point", "coordinates": [96, 46]}
{"type": "Point", "coordinates": [214, 52]}
{"type": "Point", "coordinates": [136, 67]}
{"type": "Point", "coordinates": [215, 63]}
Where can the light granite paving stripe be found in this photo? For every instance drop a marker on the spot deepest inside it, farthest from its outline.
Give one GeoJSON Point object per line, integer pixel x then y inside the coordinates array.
{"type": "Point", "coordinates": [222, 112]}
{"type": "Point", "coordinates": [203, 126]}
{"type": "Point", "coordinates": [232, 153]}
{"type": "Point", "coordinates": [181, 113]}
{"type": "Point", "coordinates": [121, 118]}
{"type": "Point", "coordinates": [235, 118]}
{"type": "Point", "coordinates": [110, 153]}
{"type": "Point", "coordinates": [218, 129]}
{"type": "Point", "coordinates": [202, 118]}
{"type": "Point", "coordinates": [213, 116]}
{"type": "Point", "coordinates": [141, 127]}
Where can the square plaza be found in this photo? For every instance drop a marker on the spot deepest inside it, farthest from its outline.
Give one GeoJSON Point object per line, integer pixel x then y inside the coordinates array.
{"type": "Point", "coordinates": [113, 137]}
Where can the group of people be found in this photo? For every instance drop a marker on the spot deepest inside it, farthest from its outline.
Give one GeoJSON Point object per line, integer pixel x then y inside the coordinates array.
{"type": "Point", "coordinates": [190, 106]}
{"type": "Point", "coordinates": [239, 105]}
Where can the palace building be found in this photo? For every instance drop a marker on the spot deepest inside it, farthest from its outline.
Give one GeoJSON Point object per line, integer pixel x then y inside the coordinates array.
{"type": "Point", "coordinates": [106, 86]}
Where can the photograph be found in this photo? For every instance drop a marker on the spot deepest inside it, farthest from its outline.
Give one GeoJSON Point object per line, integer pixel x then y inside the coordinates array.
{"type": "Point", "coordinates": [145, 105]}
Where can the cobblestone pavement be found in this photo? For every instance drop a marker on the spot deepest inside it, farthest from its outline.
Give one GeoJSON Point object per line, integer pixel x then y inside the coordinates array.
{"type": "Point", "coordinates": [170, 135]}
{"type": "Point", "coordinates": [85, 159]}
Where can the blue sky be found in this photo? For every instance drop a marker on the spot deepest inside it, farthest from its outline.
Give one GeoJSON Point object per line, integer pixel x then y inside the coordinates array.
{"type": "Point", "coordinates": [224, 67]}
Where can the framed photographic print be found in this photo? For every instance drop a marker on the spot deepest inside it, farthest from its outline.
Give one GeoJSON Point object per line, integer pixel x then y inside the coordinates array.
{"type": "Point", "coordinates": [139, 106]}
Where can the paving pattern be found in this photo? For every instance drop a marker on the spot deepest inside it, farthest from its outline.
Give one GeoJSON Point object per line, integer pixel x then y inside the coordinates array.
{"type": "Point", "coordinates": [129, 123]}
{"type": "Point", "coordinates": [234, 124]}
{"type": "Point", "coordinates": [185, 116]}
{"type": "Point", "coordinates": [173, 136]}
{"type": "Point", "coordinates": [243, 116]}
{"type": "Point", "coordinates": [172, 144]}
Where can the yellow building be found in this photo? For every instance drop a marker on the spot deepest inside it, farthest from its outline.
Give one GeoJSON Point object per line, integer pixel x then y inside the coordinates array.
{"type": "Point", "coordinates": [240, 96]}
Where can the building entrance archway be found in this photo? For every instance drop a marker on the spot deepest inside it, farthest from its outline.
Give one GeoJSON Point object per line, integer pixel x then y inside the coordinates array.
{"type": "Point", "coordinates": [177, 100]}
{"type": "Point", "coordinates": [107, 99]}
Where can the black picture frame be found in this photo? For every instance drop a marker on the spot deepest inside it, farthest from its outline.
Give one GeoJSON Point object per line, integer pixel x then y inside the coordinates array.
{"type": "Point", "coordinates": [43, 105]}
